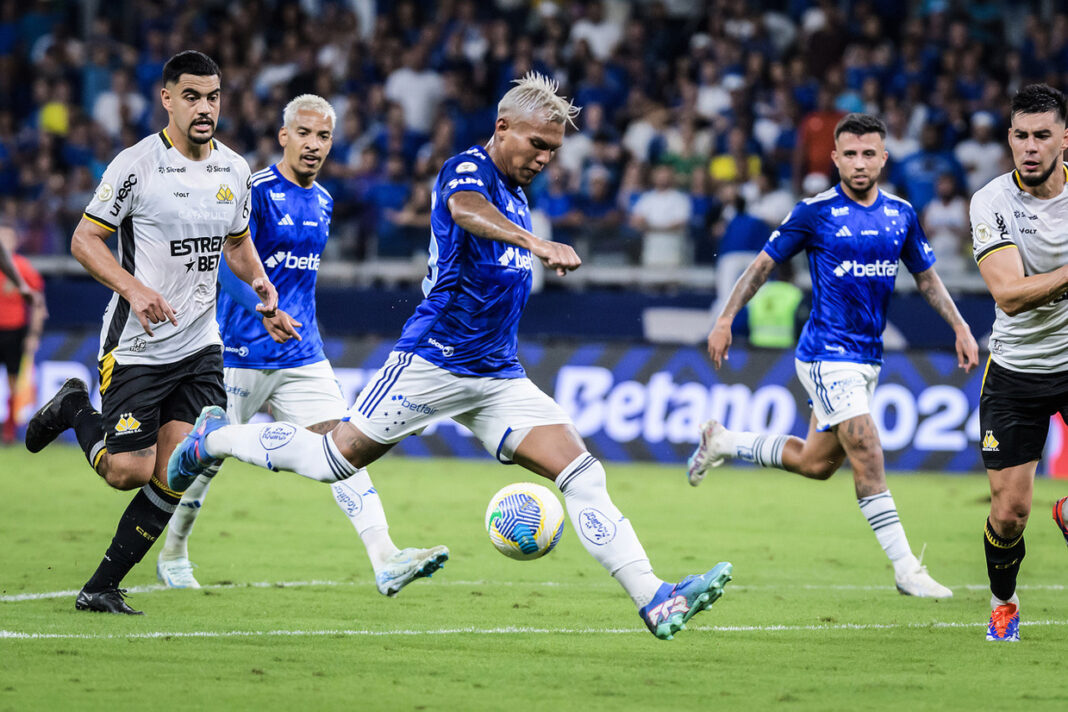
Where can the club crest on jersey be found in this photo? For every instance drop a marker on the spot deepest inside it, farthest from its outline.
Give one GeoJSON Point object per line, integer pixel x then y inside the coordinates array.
{"type": "Point", "coordinates": [225, 195]}
{"type": "Point", "coordinates": [127, 424]}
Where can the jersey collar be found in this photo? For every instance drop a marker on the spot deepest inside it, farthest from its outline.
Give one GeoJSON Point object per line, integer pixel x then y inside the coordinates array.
{"type": "Point", "coordinates": [1019, 183]}
{"type": "Point", "coordinates": [165, 137]}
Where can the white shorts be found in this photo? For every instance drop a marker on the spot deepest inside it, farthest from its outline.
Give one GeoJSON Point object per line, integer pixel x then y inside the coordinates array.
{"type": "Point", "coordinates": [838, 390]}
{"type": "Point", "coordinates": [304, 395]}
{"type": "Point", "coordinates": [409, 393]}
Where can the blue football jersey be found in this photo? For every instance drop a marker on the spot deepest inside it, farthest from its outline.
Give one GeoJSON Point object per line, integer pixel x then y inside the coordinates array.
{"type": "Point", "coordinates": [290, 226]}
{"type": "Point", "coordinates": [475, 289]}
{"type": "Point", "coordinates": [853, 252]}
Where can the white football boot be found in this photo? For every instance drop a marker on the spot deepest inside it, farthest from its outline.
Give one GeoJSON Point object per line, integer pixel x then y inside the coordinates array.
{"type": "Point", "coordinates": [711, 452]}
{"type": "Point", "coordinates": [406, 566]}
{"type": "Point", "coordinates": [176, 573]}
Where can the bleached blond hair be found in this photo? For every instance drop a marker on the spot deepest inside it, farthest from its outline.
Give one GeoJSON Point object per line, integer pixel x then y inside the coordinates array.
{"type": "Point", "coordinates": [308, 102]}
{"type": "Point", "coordinates": [535, 95]}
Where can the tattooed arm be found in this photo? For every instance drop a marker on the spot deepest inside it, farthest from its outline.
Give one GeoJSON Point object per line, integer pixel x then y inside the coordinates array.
{"type": "Point", "coordinates": [719, 339]}
{"type": "Point", "coordinates": [932, 289]}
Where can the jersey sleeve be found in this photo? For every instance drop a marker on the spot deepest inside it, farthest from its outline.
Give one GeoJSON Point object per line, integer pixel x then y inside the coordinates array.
{"type": "Point", "coordinates": [916, 253]}
{"type": "Point", "coordinates": [990, 232]}
{"type": "Point", "coordinates": [240, 226]}
{"type": "Point", "coordinates": [465, 172]}
{"type": "Point", "coordinates": [117, 195]}
{"type": "Point", "coordinates": [792, 235]}
{"type": "Point", "coordinates": [257, 211]}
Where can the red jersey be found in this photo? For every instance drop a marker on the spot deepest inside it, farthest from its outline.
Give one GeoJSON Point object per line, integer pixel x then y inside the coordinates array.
{"type": "Point", "coordinates": [13, 311]}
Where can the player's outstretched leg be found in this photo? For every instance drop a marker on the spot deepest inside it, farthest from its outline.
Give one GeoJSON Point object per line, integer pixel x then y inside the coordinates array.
{"type": "Point", "coordinates": [1059, 518]}
{"type": "Point", "coordinates": [56, 415]}
{"type": "Point", "coordinates": [610, 538]}
{"type": "Point", "coordinates": [1004, 625]}
{"type": "Point", "coordinates": [406, 566]}
{"type": "Point", "coordinates": [717, 444]}
{"type": "Point", "coordinates": [673, 606]}
{"type": "Point", "coordinates": [190, 460]}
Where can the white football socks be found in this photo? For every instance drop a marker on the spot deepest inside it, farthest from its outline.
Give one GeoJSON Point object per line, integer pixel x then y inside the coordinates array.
{"type": "Point", "coordinates": [763, 450]}
{"type": "Point", "coordinates": [281, 446]}
{"type": "Point", "coordinates": [175, 546]}
{"type": "Point", "coordinates": [360, 502]}
{"type": "Point", "coordinates": [603, 530]}
{"type": "Point", "coordinates": [881, 513]}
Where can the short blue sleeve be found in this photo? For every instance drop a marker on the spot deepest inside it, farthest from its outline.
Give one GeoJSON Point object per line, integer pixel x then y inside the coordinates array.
{"type": "Point", "coordinates": [466, 172]}
{"type": "Point", "coordinates": [916, 253]}
{"type": "Point", "coordinates": [792, 235]}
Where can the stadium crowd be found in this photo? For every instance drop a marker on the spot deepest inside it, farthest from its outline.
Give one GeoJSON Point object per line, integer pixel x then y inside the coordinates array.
{"type": "Point", "coordinates": [702, 122]}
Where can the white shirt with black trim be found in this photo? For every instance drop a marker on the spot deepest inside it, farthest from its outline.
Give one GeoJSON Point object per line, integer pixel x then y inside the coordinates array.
{"type": "Point", "coordinates": [172, 215]}
{"type": "Point", "coordinates": [1004, 216]}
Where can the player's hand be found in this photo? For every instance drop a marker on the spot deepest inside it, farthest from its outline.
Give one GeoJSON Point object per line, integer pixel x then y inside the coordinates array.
{"type": "Point", "coordinates": [268, 296]}
{"type": "Point", "coordinates": [150, 307]}
{"type": "Point", "coordinates": [556, 256]}
{"type": "Point", "coordinates": [967, 349]}
{"type": "Point", "coordinates": [719, 342]}
{"type": "Point", "coordinates": [282, 327]}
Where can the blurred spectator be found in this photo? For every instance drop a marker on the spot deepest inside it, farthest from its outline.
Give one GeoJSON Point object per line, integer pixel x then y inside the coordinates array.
{"type": "Point", "coordinates": [599, 229]}
{"type": "Point", "coordinates": [766, 200]}
{"type": "Point", "coordinates": [22, 315]}
{"type": "Point", "coordinates": [982, 156]}
{"type": "Point", "coordinates": [118, 106]}
{"type": "Point", "coordinates": [559, 202]}
{"type": "Point", "coordinates": [742, 239]}
{"type": "Point", "coordinates": [917, 174]}
{"type": "Point", "coordinates": [662, 216]}
{"type": "Point", "coordinates": [600, 33]}
{"type": "Point", "coordinates": [417, 89]}
{"type": "Point", "coordinates": [945, 220]}
{"type": "Point", "coordinates": [387, 197]}
{"type": "Point", "coordinates": [738, 164]}
{"type": "Point", "coordinates": [815, 138]}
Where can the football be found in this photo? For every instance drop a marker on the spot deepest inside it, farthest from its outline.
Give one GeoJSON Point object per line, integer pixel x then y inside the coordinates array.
{"type": "Point", "coordinates": [524, 521]}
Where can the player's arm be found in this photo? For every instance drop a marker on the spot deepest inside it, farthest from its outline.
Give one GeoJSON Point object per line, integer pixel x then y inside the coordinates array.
{"type": "Point", "coordinates": [244, 261]}
{"type": "Point", "coordinates": [719, 339]}
{"type": "Point", "coordinates": [281, 327]}
{"type": "Point", "coordinates": [1015, 292]}
{"type": "Point", "coordinates": [7, 266]}
{"type": "Point", "coordinates": [89, 247]}
{"type": "Point", "coordinates": [934, 291]}
{"type": "Point", "coordinates": [478, 216]}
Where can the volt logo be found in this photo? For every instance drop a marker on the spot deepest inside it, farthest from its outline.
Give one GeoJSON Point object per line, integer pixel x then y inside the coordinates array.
{"type": "Point", "coordinates": [882, 268]}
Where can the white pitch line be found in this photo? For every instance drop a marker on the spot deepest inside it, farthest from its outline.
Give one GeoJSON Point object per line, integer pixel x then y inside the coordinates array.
{"type": "Point", "coordinates": [508, 630]}
{"type": "Point", "coordinates": [17, 597]}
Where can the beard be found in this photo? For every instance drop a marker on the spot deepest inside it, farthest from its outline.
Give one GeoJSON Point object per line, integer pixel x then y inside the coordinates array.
{"type": "Point", "coordinates": [199, 139]}
{"type": "Point", "coordinates": [858, 190]}
{"type": "Point", "coordinates": [1032, 181]}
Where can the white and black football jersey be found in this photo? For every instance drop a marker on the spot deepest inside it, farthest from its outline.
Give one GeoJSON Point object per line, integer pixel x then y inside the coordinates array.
{"type": "Point", "coordinates": [171, 215]}
{"type": "Point", "coordinates": [1004, 216]}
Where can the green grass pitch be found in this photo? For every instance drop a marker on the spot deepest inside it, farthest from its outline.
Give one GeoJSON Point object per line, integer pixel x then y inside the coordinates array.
{"type": "Point", "coordinates": [290, 619]}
